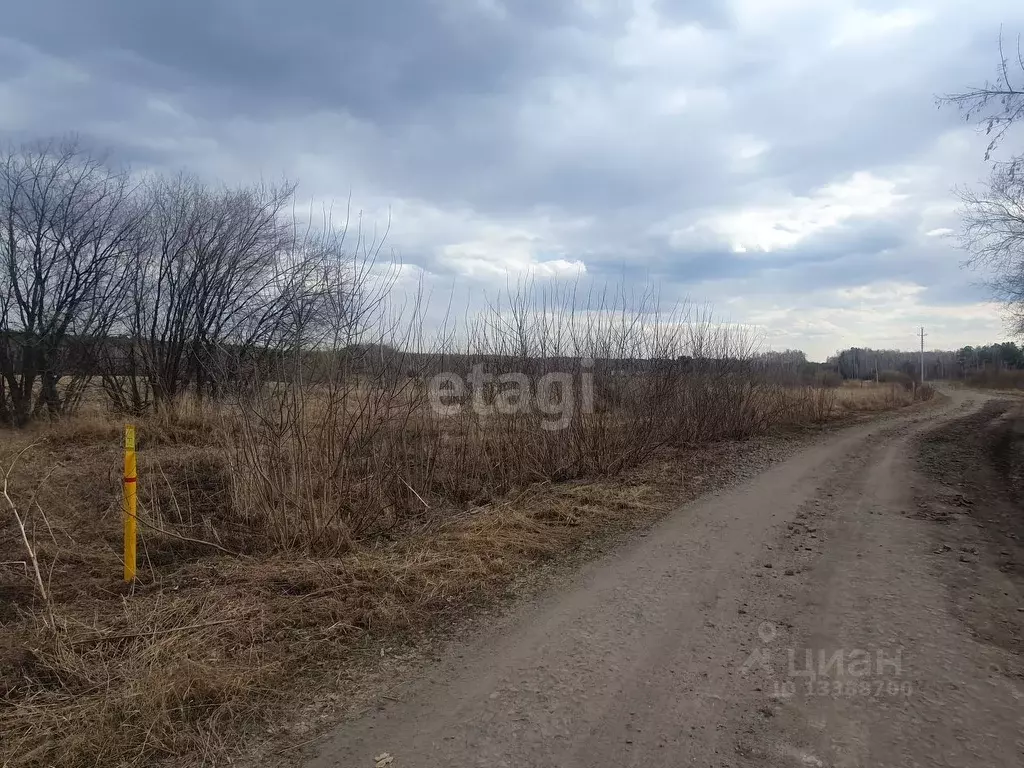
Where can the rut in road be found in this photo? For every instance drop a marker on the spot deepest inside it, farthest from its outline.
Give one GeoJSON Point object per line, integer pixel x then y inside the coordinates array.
{"type": "Point", "coordinates": [691, 645]}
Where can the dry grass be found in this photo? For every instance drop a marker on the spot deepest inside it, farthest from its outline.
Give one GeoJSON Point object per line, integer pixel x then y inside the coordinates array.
{"type": "Point", "coordinates": [869, 397]}
{"type": "Point", "coordinates": [204, 644]}
{"type": "Point", "coordinates": [194, 659]}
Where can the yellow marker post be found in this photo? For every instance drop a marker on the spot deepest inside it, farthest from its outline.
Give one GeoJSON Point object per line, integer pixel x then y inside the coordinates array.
{"type": "Point", "coordinates": [130, 484]}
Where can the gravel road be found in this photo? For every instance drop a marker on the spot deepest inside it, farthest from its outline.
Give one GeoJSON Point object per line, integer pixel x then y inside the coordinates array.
{"type": "Point", "coordinates": [799, 619]}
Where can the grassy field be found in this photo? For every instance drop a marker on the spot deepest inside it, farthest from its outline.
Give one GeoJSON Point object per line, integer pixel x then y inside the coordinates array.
{"type": "Point", "coordinates": [280, 541]}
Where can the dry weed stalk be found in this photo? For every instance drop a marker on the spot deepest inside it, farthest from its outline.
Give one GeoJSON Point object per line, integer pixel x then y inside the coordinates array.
{"type": "Point", "coordinates": [29, 549]}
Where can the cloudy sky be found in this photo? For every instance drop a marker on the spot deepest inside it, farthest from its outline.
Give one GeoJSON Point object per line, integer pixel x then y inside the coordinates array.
{"type": "Point", "coordinates": [781, 159]}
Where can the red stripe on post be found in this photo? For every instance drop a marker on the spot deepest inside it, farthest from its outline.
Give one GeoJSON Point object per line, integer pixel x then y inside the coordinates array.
{"type": "Point", "coordinates": [130, 479]}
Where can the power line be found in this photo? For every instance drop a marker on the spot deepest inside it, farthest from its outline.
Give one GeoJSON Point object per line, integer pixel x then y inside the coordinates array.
{"type": "Point", "coordinates": [923, 334]}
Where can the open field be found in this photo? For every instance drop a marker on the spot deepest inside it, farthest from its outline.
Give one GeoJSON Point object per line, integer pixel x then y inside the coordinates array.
{"type": "Point", "coordinates": [256, 583]}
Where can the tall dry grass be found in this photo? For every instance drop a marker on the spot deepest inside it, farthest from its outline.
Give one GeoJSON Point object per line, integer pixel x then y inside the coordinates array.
{"type": "Point", "coordinates": [334, 448]}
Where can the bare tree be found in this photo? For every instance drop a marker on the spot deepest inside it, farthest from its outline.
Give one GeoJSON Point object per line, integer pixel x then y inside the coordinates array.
{"type": "Point", "coordinates": [992, 231]}
{"type": "Point", "coordinates": [237, 256]}
{"type": "Point", "coordinates": [68, 223]}
{"type": "Point", "coordinates": [208, 282]}
{"type": "Point", "coordinates": [996, 105]}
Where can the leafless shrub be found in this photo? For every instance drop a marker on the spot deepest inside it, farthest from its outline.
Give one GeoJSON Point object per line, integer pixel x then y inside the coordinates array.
{"type": "Point", "coordinates": [897, 377]}
{"type": "Point", "coordinates": [817, 405]}
{"type": "Point", "coordinates": [344, 440]}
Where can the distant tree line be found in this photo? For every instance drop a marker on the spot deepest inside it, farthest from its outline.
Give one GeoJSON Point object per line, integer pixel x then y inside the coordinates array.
{"type": "Point", "coordinates": [865, 363]}
{"type": "Point", "coordinates": [1006, 356]}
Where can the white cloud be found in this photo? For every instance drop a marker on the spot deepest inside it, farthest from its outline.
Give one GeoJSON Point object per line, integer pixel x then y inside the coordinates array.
{"type": "Point", "coordinates": [786, 223]}
{"type": "Point", "coordinates": [498, 259]}
{"type": "Point", "coordinates": [653, 44]}
{"type": "Point", "coordinates": [761, 16]}
{"type": "Point", "coordinates": [745, 153]}
{"type": "Point", "coordinates": [881, 293]}
{"type": "Point", "coordinates": [859, 26]}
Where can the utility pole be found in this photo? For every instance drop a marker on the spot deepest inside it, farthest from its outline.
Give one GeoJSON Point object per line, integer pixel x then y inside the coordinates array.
{"type": "Point", "coordinates": [923, 334]}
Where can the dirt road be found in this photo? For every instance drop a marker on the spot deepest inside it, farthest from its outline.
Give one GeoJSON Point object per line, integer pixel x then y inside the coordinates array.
{"type": "Point", "coordinates": [805, 618]}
